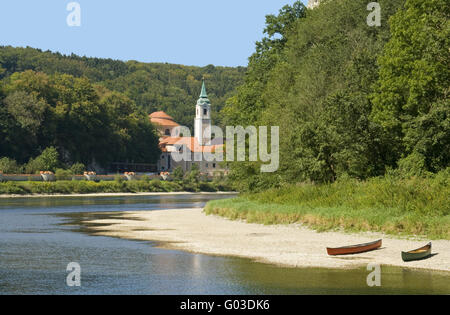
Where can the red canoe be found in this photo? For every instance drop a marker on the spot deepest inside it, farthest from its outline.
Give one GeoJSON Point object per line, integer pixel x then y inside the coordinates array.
{"type": "Point", "coordinates": [354, 249]}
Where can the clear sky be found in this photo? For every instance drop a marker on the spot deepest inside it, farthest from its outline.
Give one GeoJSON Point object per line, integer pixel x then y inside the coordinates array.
{"type": "Point", "coordinates": [190, 32]}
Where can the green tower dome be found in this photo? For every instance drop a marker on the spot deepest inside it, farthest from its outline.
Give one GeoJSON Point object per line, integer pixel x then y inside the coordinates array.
{"type": "Point", "coordinates": [203, 100]}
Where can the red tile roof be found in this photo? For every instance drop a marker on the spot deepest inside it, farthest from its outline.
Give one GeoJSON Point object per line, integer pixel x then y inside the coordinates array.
{"type": "Point", "coordinates": [191, 143]}
{"type": "Point", "coordinates": [162, 119]}
{"type": "Point", "coordinates": [161, 115]}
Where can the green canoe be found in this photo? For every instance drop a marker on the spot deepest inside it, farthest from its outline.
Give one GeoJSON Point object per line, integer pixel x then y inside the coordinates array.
{"type": "Point", "coordinates": [417, 254]}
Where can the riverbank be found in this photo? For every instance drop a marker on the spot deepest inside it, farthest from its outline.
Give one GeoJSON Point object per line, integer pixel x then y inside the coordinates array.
{"type": "Point", "coordinates": [62, 187]}
{"type": "Point", "coordinates": [116, 194]}
{"type": "Point", "coordinates": [286, 245]}
{"type": "Point", "coordinates": [414, 206]}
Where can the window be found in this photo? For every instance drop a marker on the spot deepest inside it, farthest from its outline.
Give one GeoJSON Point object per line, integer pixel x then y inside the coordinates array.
{"type": "Point", "coordinates": [205, 111]}
{"type": "Point", "coordinates": [167, 133]}
{"type": "Point", "coordinates": [214, 165]}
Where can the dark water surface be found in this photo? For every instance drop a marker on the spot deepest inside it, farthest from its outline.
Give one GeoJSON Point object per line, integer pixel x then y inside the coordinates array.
{"type": "Point", "coordinates": [39, 237]}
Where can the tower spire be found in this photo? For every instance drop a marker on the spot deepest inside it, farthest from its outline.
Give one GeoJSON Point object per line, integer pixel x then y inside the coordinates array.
{"type": "Point", "coordinates": [203, 94]}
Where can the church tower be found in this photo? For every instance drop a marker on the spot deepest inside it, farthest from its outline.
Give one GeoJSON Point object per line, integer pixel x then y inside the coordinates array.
{"type": "Point", "coordinates": [202, 126]}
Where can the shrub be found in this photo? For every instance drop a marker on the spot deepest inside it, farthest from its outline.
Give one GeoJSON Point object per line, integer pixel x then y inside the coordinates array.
{"type": "Point", "coordinates": [62, 174]}
{"type": "Point", "coordinates": [10, 166]}
{"type": "Point", "coordinates": [12, 188]}
{"type": "Point", "coordinates": [47, 161]}
{"type": "Point", "coordinates": [33, 166]}
{"type": "Point", "coordinates": [194, 175]}
{"type": "Point", "coordinates": [78, 168]}
{"type": "Point", "coordinates": [145, 178]}
{"type": "Point", "coordinates": [178, 173]}
{"type": "Point", "coordinates": [118, 179]}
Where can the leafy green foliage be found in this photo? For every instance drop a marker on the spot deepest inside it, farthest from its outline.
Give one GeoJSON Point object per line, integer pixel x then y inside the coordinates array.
{"type": "Point", "coordinates": [178, 173]}
{"type": "Point", "coordinates": [116, 186]}
{"type": "Point", "coordinates": [78, 168]}
{"type": "Point", "coordinates": [193, 176]}
{"type": "Point", "coordinates": [62, 174]}
{"type": "Point", "coordinates": [47, 161]}
{"type": "Point", "coordinates": [411, 96]}
{"type": "Point", "coordinates": [152, 86]}
{"type": "Point", "coordinates": [9, 166]}
{"type": "Point", "coordinates": [414, 206]}
{"type": "Point", "coordinates": [350, 100]}
{"type": "Point", "coordinates": [86, 123]}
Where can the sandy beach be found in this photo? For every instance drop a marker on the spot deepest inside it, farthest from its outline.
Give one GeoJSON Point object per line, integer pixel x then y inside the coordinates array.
{"type": "Point", "coordinates": [287, 245]}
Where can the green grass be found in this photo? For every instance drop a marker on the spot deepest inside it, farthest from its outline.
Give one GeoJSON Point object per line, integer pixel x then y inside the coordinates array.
{"type": "Point", "coordinates": [416, 206]}
{"type": "Point", "coordinates": [87, 187]}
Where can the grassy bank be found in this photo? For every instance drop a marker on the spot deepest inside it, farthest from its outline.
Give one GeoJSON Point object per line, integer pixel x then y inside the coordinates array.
{"type": "Point", "coordinates": [88, 187]}
{"type": "Point", "coordinates": [417, 206]}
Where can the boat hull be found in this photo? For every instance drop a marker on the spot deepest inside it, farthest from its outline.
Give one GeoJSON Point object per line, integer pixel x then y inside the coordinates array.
{"type": "Point", "coordinates": [418, 254]}
{"type": "Point", "coordinates": [354, 249]}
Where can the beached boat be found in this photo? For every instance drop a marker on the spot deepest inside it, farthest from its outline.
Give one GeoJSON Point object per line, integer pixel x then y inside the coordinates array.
{"type": "Point", "coordinates": [417, 254]}
{"type": "Point", "coordinates": [354, 249]}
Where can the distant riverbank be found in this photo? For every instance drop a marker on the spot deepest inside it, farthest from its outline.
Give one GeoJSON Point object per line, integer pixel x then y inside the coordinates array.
{"type": "Point", "coordinates": [61, 188]}
{"type": "Point", "coordinates": [116, 194]}
{"type": "Point", "coordinates": [287, 245]}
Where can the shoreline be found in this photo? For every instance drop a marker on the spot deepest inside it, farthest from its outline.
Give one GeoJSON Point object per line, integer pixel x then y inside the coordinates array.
{"type": "Point", "coordinates": [15, 196]}
{"type": "Point", "coordinates": [292, 245]}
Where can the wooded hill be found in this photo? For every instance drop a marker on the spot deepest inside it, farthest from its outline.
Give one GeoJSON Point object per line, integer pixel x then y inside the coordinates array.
{"type": "Point", "coordinates": [92, 109]}
{"type": "Point", "coordinates": [152, 86]}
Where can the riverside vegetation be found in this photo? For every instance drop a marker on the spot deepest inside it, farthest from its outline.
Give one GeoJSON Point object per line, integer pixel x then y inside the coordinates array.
{"type": "Point", "coordinates": [192, 181]}
{"type": "Point", "coordinates": [116, 186]}
{"type": "Point", "coordinates": [368, 115]}
{"type": "Point", "coordinates": [390, 204]}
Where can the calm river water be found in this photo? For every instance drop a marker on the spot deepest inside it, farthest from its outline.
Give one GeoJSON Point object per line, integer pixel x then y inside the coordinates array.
{"type": "Point", "coordinates": [39, 237]}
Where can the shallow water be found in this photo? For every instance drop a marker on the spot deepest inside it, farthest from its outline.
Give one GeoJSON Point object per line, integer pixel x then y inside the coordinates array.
{"type": "Point", "coordinates": [39, 237]}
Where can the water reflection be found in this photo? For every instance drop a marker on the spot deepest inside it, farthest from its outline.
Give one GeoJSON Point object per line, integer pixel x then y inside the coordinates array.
{"type": "Point", "coordinates": [39, 237]}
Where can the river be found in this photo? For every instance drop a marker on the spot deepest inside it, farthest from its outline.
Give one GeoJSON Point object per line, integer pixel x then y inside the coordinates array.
{"type": "Point", "coordinates": [39, 237]}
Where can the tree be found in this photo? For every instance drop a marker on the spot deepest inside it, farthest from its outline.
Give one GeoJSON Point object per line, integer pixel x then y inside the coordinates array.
{"type": "Point", "coordinates": [152, 86]}
{"type": "Point", "coordinates": [47, 161]}
{"type": "Point", "coordinates": [26, 109]}
{"type": "Point", "coordinates": [9, 166]}
{"type": "Point", "coordinates": [314, 82]}
{"type": "Point", "coordinates": [84, 122]}
{"type": "Point", "coordinates": [411, 94]}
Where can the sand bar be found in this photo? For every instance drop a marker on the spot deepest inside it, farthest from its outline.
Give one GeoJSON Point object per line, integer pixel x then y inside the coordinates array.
{"type": "Point", "coordinates": [287, 245]}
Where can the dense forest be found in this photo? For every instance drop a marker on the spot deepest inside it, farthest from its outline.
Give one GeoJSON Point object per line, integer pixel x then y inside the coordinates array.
{"type": "Point", "coordinates": [351, 100]}
{"type": "Point", "coordinates": [85, 123]}
{"type": "Point", "coordinates": [94, 110]}
{"type": "Point", "coordinates": [152, 86]}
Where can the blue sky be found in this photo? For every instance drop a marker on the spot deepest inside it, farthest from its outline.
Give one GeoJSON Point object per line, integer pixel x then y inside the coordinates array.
{"type": "Point", "coordinates": [190, 32]}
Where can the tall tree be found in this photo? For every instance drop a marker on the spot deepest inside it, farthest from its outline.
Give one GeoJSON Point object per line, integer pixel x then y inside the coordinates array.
{"type": "Point", "coordinates": [411, 96]}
